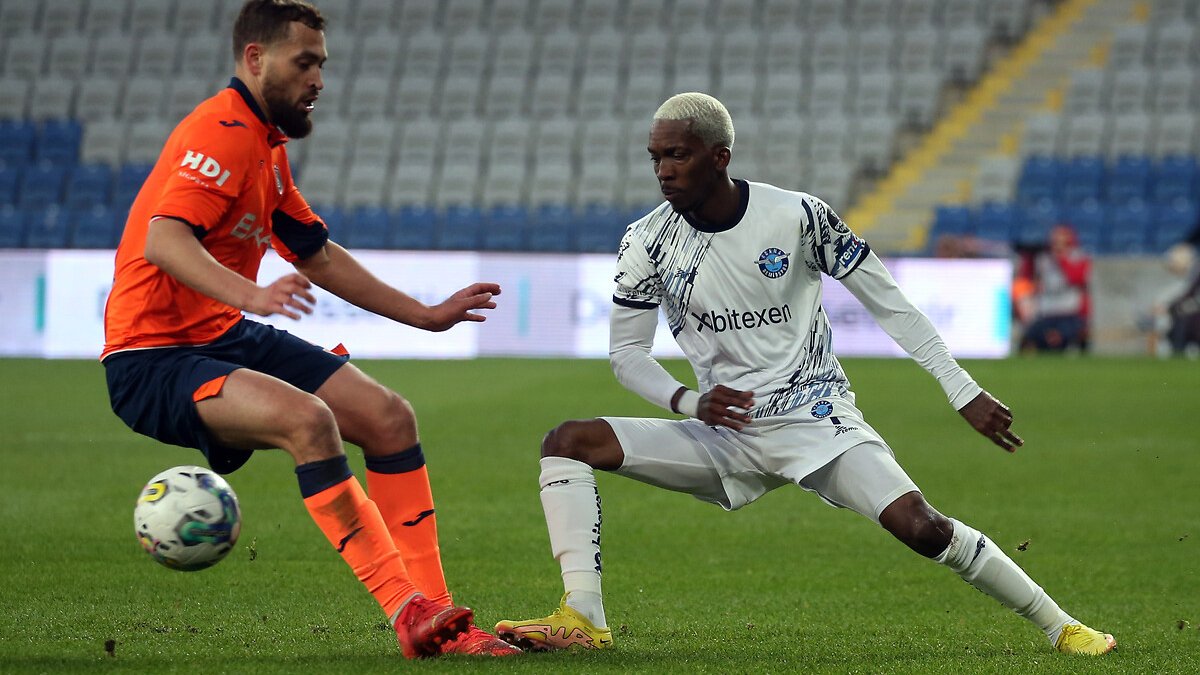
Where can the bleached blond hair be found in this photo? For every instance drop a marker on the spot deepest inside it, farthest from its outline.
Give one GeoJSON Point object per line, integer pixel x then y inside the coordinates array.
{"type": "Point", "coordinates": [710, 120]}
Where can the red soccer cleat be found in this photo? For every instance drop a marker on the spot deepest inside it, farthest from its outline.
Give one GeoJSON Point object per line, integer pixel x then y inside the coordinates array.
{"type": "Point", "coordinates": [424, 627]}
{"type": "Point", "coordinates": [477, 642]}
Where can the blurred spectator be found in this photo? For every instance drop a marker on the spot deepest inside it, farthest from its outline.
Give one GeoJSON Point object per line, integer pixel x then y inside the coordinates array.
{"type": "Point", "coordinates": [1177, 314]}
{"type": "Point", "coordinates": [1050, 294]}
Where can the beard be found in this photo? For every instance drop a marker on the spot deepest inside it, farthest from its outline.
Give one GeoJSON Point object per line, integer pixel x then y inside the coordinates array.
{"type": "Point", "coordinates": [284, 114]}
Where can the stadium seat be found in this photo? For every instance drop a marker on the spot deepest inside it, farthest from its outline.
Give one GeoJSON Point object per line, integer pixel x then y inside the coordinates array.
{"type": "Point", "coordinates": [1173, 45]}
{"type": "Point", "coordinates": [23, 55]}
{"type": "Point", "coordinates": [600, 228]}
{"type": "Point", "coordinates": [105, 17]}
{"type": "Point", "coordinates": [1128, 227]}
{"type": "Point", "coordinates": [1041, 178]}
{"type": "Point", "coordinates": [112, 54]}
{"type": "Point", "coordinates": [1082, 180]}
{"type": "Point", "coordinates": [964, 53]}
{"type": "Point", "coordinates": [1175, 177]}
{"type": "Point", "coordinates": [369, 227]}
{"type": "Point", "coordinates": [130, 178]}
{"type": "Point", "coordinates": [17, 141]}
{"type": "Point", "coordinates": [1173, 222]}
{"type": "Point", "coordinates": [47, 228]}
{"type": "Point", "coordinates": [1130, 135]}
{"type": "Point", "coordinates": [147, 16]}
{"type": "Point", "coordinates": [552, 229]}
{"type": "Point", "coordinates": [504, 228]}
{"type": "Point", "coordinates": [1086, 134]}
{"type": "Point", "coordinates": [1127, 178]}
{"type": "Point", "coordinates": [58, 142]}
{"type": "Point", "coordinates": [1034, 223]}
{"type": "Point", "coordinates": [413, 228]}
{"type": "Point", "coordinates": [996, 222]}
{"type": "Point", "coordinates": [1128, 46]}
{"type": "Point", "coordinates": [68, 56]}
{"type": "Point", "coordinates": [12, 227]}
{"type": "Point", "coordinates": [53, 97]}
{"type": "Point", "coordinates": [952, 220]}
{"type": "Point", "coordinates": [10, 178]}
{"type": "Point", "coordinates": [918, 98]}
{"type": "Point", "coordinates": [459, 228]}
{"type": "Point", "coordinates": [88, 185]}
{"type": "Point", "coordinates": [1087, 219]}
{"type": "Point", "coordinates": [995, 180]}
{"type": "Point", "coordinates": [41, 186]}
{"type": "Point", "coordinates": [96, 227]}
{"type": "Point", "coordinates": [99, 98]}
{"type": "Point", "coordinates": [103, 143]}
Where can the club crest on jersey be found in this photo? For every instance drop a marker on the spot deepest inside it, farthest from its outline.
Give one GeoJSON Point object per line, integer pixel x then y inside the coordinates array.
{"type": "Point", "coordinates": [822, 409]}
{"type": "Point", "coordinates": [278, 180]}
{"type": "Point", "coordinates": [773, 263]}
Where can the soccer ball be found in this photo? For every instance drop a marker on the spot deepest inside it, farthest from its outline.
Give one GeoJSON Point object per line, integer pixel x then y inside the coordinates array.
{"type": "Point", "coordinates": [187, 518]}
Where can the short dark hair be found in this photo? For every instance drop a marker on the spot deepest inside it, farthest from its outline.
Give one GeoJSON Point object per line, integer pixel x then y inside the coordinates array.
{"type": "Point", "coordinates": [266, 21]}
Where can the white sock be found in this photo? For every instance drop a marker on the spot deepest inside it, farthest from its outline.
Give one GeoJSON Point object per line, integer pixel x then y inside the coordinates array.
{"type": "Point", "coordinates": [571, 503]}
{"type": "Point", "coordinates": [983, 565]}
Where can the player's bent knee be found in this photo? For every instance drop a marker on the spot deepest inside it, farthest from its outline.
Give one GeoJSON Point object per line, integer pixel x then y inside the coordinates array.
{"type": "Point", "coordinates": [917, 524]}
{"type": "Point", "coordinates": [314, 432]}
{"type": "Point", "coordinates": [591, 442]}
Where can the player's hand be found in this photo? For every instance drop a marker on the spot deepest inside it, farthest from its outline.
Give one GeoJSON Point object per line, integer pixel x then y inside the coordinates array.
{"type": "Point", "coordinates": [992, 419]}
{"type": "Point", "coordinates": [288, 295]}
{"type": "Point", "coordinates": [461, 306]}
{"type": "Point", "coordinates": [725, 407]}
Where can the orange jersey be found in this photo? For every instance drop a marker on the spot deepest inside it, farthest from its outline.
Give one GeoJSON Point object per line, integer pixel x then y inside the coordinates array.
{"type": "Point", "coordinates": [224, 171]}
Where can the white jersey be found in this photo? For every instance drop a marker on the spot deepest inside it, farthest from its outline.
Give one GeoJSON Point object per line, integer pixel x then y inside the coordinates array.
{"type": "Point", "coordinates": [744, 300]}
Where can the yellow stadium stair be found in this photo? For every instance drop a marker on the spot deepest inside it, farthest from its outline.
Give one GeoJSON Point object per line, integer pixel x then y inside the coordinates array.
{"type": "Point", "coordinates": [896, 214]}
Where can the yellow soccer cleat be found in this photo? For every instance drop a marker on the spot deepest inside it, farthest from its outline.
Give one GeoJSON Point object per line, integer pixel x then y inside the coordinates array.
{"type": "Point", "coordinates": [1077, 638]}
{"type": "Point", "coordinates": [563, 629]}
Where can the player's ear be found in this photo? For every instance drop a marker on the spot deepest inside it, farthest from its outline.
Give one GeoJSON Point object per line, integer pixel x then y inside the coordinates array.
{"type": "Point", "coordinates": [721, 156]}
{"type": "Point", "coordinates": [252, 56]}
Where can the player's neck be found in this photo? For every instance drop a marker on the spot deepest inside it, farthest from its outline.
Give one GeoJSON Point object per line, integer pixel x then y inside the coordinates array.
{"type": "Point", "coordinates": [720, 211]}
{"type": "Point", "coordinates": [254, 86]}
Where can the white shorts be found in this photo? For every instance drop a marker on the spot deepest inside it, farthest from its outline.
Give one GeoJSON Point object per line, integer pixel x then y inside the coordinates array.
{"type": "Point", "coordinates": [823, 446]}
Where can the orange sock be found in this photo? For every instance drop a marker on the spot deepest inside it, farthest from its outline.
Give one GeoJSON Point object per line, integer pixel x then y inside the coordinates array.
{"type": "Point", "coordinates": [352, 523]}
{"type": "Point", "coordinates": [399, 485]}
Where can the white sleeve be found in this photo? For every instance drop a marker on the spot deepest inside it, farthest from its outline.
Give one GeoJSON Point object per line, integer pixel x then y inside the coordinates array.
{"type": "Point", "coordinates": [875, 288]}
{"type": "Point", "coordinates": [630, 337]}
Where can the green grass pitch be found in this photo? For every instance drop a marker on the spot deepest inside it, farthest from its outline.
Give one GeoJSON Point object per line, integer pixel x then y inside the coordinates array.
{"type": "Point", "coordinates": [1101, 507]}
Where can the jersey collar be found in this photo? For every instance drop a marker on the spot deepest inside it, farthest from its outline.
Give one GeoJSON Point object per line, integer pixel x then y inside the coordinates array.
{"type": "Point", "coordinates": [274, 135]}
{"type": "Point", "coordinates": [744, 191]}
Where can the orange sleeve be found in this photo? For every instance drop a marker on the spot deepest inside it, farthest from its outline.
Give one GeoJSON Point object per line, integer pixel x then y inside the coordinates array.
{"type": "Point", "coordinates": [210, 162]}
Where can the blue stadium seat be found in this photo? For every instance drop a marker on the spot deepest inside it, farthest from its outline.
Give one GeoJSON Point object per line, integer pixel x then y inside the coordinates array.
{"type": "Point", "coordinates": [88, 185]}
{"type": "Point", "coordinates": [952, 219]}
{"type": "Point", "coordinates": [1087, 219]}
{"type": "Point", "coordinates": [129, 182]}
{"type": "Point", "coordinates": [1083, 180]}
{"type": "Point", "coordinates": [600, 229]}
{"type": "Point", "coordinates": [12, 226]}
{"type": "Point", "coordinates": [41, 186]}
{"type": "Point", "coordinates": [459, 228]}
{"type": "Point", "coordinates": [1041, 178]}
{"type": "Point", "coordinates": [505, 228]}
{"type": "Point", "coordinates": [414, 228]}
{"type": "Point", "coordinates": [334, 219]}
{"type": "Point", "coordinates": [1128, 226]}
{"type": "Point", "coordinates": [1174, 222]}
{"type": "Point", "coordinates": [96, 227]}
{"type": "Point", "coordinates": [10, 178]}
{"type": "Point", "coordinates": [996, 221]}
{"type": "Point", "coordinates": [370, 227]}
{"type": "Point", "coordinates": [17, 139]}
{"type": "Point", "coordinates": [1034, 222]}
{"type": "Point", "coordinates": [49, 227]}
{"type": "Point", "coordinates": [553, 228]}
{"type": "Point", "coordinates": [58, 142]}
{"type": "Point", "coordinates": [1174, 178]}
{"type": "Point", "coordinates": [1128, 178]}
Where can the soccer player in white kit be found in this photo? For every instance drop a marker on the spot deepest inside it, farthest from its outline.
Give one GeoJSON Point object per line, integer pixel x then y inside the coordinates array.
{"type": "Point", "coordinates": [736, 267]}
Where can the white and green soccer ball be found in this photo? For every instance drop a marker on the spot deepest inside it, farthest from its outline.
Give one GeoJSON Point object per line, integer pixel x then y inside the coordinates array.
{"type": "Point", "coordinates": [187, 518]}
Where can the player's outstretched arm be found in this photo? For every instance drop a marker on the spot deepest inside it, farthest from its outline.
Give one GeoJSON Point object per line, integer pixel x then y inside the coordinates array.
{"type": "Point", "coordinates": [171, 245]}
{"type": "Point", "coordinates": [337, 271]}
{"type": "Point", "coordinates": [993, 419]}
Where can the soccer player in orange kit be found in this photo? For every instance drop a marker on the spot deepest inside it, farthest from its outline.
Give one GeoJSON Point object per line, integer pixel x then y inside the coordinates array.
{"type": "Point", "coordinates": [186, 367]}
